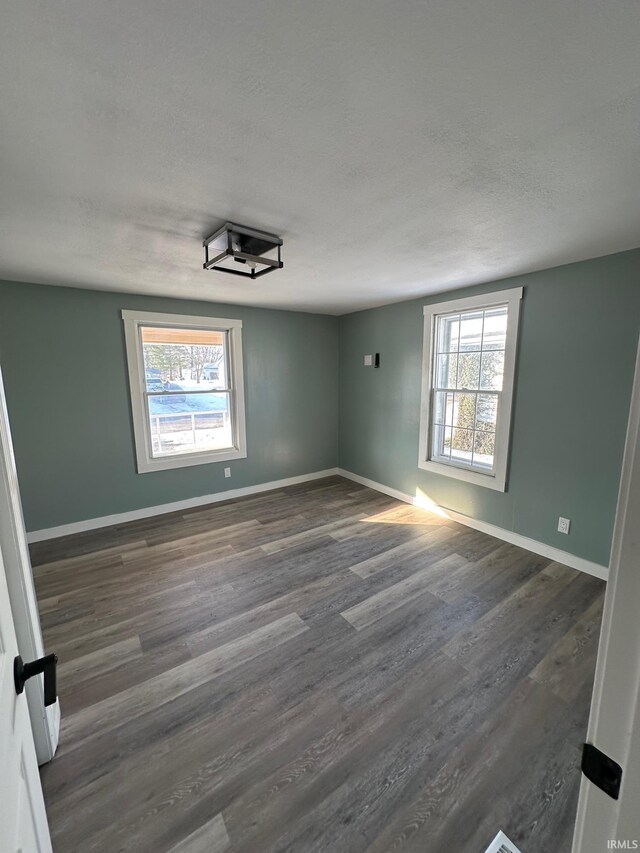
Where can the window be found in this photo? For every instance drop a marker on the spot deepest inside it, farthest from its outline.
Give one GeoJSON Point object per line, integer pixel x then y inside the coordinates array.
{"type": "Point", "coordinates": [187, 398]}
{"type": "Point", "coordinates": [468, 373]}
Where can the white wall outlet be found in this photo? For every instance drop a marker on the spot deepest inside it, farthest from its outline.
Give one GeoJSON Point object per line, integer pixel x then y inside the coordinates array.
{"type": "Point", "coordinates": [564, 525]}
{"type": "Point", "coordinates": [227, 472]}
{"type": "Point", "coordinates": [368, 360]}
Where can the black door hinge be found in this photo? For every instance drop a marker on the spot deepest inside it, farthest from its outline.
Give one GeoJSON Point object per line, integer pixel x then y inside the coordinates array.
{"type": "Point", "coordinates": [601, 770]}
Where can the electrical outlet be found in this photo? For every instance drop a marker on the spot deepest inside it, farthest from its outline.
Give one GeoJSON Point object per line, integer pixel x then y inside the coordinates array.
{"type": "Point", "coordinates": [564, 525]}
{"type": "Point", "coordinates": [368, 360]}
{"type": "Point", "coordinates": [227, 472]}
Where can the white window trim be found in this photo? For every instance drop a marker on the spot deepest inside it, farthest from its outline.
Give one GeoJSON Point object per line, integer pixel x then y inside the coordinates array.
{"type": "Point", "coordinates": [146, 462]}
{"type": "Point", "coordinates": [498, 479]}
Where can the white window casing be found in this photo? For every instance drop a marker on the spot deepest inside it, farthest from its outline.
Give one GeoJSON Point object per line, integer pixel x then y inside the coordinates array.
{"type": "Point", "coordinates": [494, 476]}
{"type": "Point", "coordinates": [134, 321]}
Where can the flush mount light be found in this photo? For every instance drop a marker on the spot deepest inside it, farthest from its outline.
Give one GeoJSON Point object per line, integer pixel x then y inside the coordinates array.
{"type": "Point", "coordinates": [239, 250]}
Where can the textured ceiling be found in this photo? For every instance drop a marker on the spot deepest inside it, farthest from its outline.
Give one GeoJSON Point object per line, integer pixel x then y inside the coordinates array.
{"type": "Point", "coordinates": [400, 148]}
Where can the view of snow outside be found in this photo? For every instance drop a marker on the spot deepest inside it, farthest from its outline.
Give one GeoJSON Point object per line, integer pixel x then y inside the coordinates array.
{"type": "Point", "coordinates": [468, 376]}
{"type": "Point", "coordinates": [188, 410]}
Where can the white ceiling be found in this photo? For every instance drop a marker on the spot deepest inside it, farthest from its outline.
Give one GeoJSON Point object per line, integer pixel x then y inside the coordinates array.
{"type": "Point", "coordinates": [400, 147]}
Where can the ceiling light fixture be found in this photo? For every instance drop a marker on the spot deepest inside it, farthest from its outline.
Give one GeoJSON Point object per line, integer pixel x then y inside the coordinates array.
{"type": "Point", "coordinates": [256, 252]}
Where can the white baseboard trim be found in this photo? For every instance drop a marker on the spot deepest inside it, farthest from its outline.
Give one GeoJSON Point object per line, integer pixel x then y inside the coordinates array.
{"type": "Point", "coordinates": [533, 545]}
{"type": "Point", "coordinates": [518, 539]}
{"type": "Point", "coordinates": [176, 506]}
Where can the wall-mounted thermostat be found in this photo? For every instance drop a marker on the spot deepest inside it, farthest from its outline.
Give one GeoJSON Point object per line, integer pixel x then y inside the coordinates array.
{"type": "Point", "coordinates": [368, 360]}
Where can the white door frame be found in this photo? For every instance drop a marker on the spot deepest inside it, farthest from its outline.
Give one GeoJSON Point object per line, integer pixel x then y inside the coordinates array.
{"type": "Point", "coordinates": [45, 722]}
{"type": "Point", "coordinates": [614, 723]}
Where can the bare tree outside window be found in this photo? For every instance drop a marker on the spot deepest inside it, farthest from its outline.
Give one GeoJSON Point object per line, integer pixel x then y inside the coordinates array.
{"type": "Point", "coordinates": [202, 356]}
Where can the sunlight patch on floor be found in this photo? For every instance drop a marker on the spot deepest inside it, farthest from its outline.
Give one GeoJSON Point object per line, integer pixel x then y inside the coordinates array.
{"type": "Point", "coordinates": [411, 514]}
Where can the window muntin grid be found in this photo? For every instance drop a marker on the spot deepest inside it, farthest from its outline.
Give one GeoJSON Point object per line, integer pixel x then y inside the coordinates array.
{"type": "Point", "coordinates": [467, 385]}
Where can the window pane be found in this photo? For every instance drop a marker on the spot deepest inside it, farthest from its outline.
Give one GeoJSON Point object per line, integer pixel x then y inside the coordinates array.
{"type": "Point", "coordinates": [471, 331]}
{"type": "Point", "coordinates": [437, 440]}
{"type": "Point", "coordinates": [462, 446]}
{"type": "Point", "coordinates": [495, 328]}
{"type": "Point", "coordinates": [448, 331]}
{"type": "Point", "coordinates": [447, 369]}
{"type": "Point", "coordinates": [484, 448]}
{"type": "Point", "coordinates": [184, 359]}
{"type": "Point", "coordinates": [442, 441]}
{"type": "Point", "coordinates": [185, 423]}
{"type": "Point", "coordinates": [468, 370]}
{"type": "Point", "coordinates": [486, 412]}
{"type": "Point", "coordinates": [492, 370]}
{"type": "Point", "coordinates": [443, 408]}
{"type": "Point", "coordinates": [464, 415]}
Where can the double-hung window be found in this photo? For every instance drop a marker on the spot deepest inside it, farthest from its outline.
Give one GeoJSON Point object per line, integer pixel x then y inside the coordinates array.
{"type": "Point", "coordinates": [468, 374]}
{"type": "Point", "coordinates": [187, 398]}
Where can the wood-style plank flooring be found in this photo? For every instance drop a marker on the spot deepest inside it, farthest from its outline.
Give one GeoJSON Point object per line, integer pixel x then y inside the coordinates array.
{"type": "Point", "coordinates": [320, 668]}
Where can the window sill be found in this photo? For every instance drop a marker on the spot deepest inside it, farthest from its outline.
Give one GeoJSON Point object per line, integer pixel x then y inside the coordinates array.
{"type": "Point", "coordinates": [489, 481]}
{"type": "Point", "coordinates": [163, 463]}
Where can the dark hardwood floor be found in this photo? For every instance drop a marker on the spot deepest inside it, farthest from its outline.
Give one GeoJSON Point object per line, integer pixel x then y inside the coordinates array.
{"type": "Point", "coordinates": [320, 668]}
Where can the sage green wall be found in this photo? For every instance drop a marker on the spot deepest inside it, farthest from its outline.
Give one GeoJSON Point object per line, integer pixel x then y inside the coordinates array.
{"type": "Point", "coordinates": [577, 348]}
{"type": "Point", "coordinates": [63, 358]}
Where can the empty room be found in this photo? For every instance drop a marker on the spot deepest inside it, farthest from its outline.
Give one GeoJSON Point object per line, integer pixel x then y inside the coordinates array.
{"type": "Point", "coordinates": [319, 427]}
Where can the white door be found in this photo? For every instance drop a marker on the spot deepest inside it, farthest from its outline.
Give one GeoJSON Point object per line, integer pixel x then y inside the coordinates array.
{"type": "Point", "coordinates": [604, 823]}
{"type": "Point", "coordinates": [45, 720]}
{"type": "Point", "coordinates": [23, 821]}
